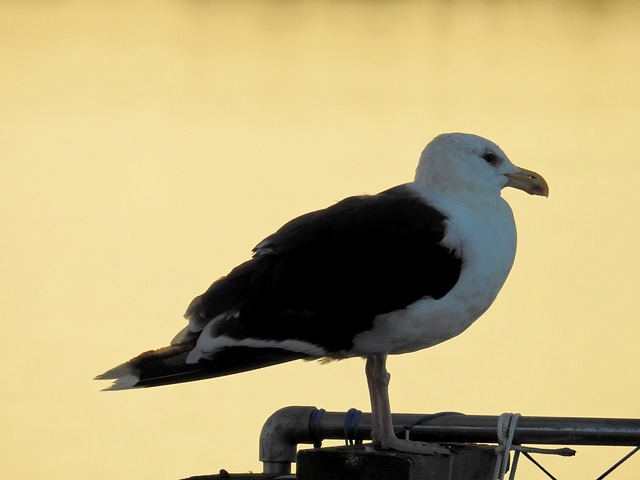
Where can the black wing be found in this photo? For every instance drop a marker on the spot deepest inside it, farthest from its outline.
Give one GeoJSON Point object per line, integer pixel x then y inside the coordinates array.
{"type": "Point", "coordinates": [323, 277]}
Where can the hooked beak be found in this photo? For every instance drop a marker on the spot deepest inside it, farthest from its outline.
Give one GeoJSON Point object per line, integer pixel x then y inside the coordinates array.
{"type": "Point", "coordinates": [528, 181]}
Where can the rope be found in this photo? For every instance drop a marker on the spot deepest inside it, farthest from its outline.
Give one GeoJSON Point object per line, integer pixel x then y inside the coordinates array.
{"type": "Point", "coordinates": [405, 429]}
{"type": "Point", "coordinates": [506, 429]}
{"type": "Point", "coordinates": [351, 422]}
{"type": "Point", "coordinates": [314, 427]}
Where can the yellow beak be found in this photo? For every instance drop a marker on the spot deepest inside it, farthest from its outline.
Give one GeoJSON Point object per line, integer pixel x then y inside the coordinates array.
{"type": "Point", "coordinates": [528, 181]}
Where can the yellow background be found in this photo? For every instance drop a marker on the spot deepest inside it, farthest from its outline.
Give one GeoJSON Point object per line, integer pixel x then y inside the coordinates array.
{"type": "Point", "coordinates": [146, 147]}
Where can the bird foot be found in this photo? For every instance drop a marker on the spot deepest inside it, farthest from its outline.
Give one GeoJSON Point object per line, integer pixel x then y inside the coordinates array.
{"type": "Point", "coordinates": [410, 446]}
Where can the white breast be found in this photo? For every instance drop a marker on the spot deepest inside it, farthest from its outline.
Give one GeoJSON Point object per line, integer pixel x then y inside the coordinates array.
{"type": "Point", "coordinates": [484, 234]}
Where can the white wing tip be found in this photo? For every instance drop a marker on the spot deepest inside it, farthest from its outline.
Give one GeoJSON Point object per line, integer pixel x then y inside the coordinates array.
{"type": "Point", "coordinates": [124, 377]}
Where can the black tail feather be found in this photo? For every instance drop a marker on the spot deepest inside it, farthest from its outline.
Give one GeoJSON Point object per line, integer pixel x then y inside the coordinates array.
{"type": "Point", "coordinates": [168, 366]}
{"type": "Point", "coordinates": [227, 361]}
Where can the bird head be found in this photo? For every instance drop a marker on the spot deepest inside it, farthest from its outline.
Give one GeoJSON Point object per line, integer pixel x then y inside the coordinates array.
{"type": "Point", "coordinates": [467, 165]}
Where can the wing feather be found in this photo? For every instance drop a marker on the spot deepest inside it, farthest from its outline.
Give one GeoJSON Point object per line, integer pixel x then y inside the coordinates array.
{"type": "Point", "coordinates": [323, 277]}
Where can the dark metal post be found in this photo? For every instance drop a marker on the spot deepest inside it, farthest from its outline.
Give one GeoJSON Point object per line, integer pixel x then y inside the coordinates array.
{"type": "Point", "coordinates": [291, 426]}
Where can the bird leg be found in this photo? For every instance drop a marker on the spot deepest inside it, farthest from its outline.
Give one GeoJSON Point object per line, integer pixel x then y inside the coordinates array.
{"type": "Point", "coordinates": [382, 433]}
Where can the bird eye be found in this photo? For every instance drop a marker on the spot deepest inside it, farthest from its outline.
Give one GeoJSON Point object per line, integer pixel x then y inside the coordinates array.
{"type": "Point", "coordinates": [490, 157]}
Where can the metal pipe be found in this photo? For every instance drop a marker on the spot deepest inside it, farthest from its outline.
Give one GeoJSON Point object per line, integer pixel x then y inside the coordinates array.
{"type": "Point", "coordinates": [290, 426]}
{"type": "Point", "coordinates": [280, 436]}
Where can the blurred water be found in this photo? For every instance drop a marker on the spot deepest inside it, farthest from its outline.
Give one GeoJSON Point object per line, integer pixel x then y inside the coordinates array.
{"type": "Point", "coordinates": [145, 147]}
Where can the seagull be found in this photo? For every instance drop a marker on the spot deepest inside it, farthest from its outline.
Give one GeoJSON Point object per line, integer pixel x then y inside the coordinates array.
{"type": "Point", "coordinates": [370, 276]}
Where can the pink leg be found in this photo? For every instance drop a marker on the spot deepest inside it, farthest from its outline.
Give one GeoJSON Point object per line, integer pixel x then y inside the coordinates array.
{"type": "Point", "coordinates": [382, 433]}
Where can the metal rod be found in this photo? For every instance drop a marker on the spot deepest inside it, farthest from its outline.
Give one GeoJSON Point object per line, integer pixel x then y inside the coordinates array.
{"type": "Point", "coordinates": [291, 426]}
{"type": "Point", "coordinates": [619, 462]}
{"type": "Point", "coordinates": [537, 464]}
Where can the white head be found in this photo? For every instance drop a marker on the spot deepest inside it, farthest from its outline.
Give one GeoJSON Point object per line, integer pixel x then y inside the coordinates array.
{"type": "Point", "coordinates": [463, 164]}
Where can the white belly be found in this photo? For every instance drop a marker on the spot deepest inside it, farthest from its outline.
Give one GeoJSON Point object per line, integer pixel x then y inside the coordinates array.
{"type": "Point", "coordinates": [486, 238]}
